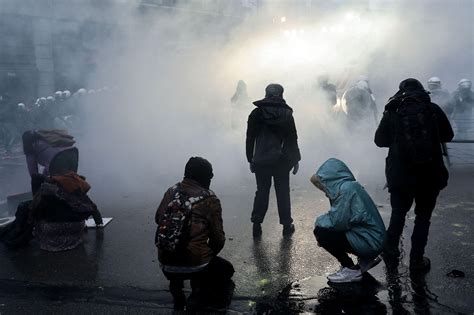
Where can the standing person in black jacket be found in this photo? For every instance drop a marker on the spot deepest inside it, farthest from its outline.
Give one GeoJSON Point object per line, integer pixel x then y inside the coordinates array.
{"type": "Point", "coordinates": [272, 151]}
{"type": "Point", "coordinates": [413, 128]}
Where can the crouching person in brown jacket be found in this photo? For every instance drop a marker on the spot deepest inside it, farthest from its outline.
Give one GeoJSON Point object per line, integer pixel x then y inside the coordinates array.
{"type": "Point", "coordinates": [189, 237]}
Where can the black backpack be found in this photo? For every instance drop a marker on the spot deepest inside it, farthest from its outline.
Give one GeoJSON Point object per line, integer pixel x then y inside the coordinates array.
{"type": "Point", "coordinates": [173, 230]}
{"type": "Point", "coordinates": [19, 233]}
{"type": "Point", "coordinates": [416, 132]}
{"type": "Point", "coordinates": [268, 148]}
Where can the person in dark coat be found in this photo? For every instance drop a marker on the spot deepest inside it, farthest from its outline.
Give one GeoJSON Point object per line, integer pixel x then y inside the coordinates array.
{"type": "Point", "coordinates": [197, 260]}
{"type": "Point", "coordinates": [272, 151]}
{"type": "Point", "coordinates": [408, 181]}
{"type": "Point", "coordinates": [328, 91]}
{"type": "Point", "coordinates": [440, 96]}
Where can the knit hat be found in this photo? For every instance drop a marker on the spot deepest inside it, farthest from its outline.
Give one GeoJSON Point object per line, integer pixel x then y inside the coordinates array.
{"type": "Point", "coordinates": [273, 90]}
{"type": "Point", "coordinates": [200, 170]}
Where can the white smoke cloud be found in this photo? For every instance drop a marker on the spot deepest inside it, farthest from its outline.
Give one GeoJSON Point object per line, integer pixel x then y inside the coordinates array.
{"type": "Point", "coordinates": [176, 71]}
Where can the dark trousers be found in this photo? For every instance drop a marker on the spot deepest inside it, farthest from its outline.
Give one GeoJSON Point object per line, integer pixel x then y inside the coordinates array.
{"type": "Point", "coordinates": [401, 201]}
{"type": "Point", "coordinates": [281, 177]}
{"type": "Point", "coordinates": [211, 279]}
{"type": "Point", "coordinates": [336, 244]}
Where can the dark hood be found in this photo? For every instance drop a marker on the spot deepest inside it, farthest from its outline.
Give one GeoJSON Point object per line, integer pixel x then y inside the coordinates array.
{"type": "Point", "coordinates": [199, 170]}
{"type": "Point", "coordinates": [419, 95]}
{"type": "Point", "coordinates": [274, 110]}
{"type": "Point", "coordinates": [332, 174]}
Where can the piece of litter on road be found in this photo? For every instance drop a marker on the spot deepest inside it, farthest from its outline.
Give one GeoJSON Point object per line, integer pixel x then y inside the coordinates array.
{"type": "Point", "coordinates": [263, 282]}
{"type": "Point", "coordinates": [455, 274]}
{"type": "Point", "coordinates": [231, 239]}
{"type": "Point", "coordinates": [6, 221]}
{"type": "Point", "coordinates": [91, 224]}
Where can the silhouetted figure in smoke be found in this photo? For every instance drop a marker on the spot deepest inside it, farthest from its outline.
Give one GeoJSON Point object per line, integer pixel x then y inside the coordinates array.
{"type": "Point", "coordinates": [352, 225]}
{"type": "Point", "coordinates": [189, 237]}
{"type": "Point", "coordinates": [272, 151]}
{"type": "Point", "coordinates": [440, 96]}
{"type": "Point", "coordinates": [8, 131]}
{"type": "Point", "coordinates": [413, 129]}
{"type": "Point", "coordinates": [23, 119]}
{"type": "Point", "coordinates": [463, 102]}
{"type": "Point", "coordinates": [239, 101]}
{"type": "Point", "coordinates": [327, 91]}
{"type": "Point", "coordinates": [359, 105]}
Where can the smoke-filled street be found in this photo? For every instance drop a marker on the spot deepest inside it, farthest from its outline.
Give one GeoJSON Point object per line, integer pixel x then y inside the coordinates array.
{"type": "Point", "coordinates": [116, 269]}
{"type": "Point", "coordinates": [247, 156]}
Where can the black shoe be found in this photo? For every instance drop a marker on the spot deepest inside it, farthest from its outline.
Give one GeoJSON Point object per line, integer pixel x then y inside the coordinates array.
{"type": "Point", "coordinates": [179, 306]}
{"type": "Point", "coordinates": [179, 302]}
{"type": "Point", "coordinates": [288, 229]}
{"type": "Point", "coordinates": [420, 265]}
{"type": "Point", "coordinates": [257, 230]}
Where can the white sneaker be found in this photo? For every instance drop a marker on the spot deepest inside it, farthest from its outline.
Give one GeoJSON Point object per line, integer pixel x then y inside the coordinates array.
{"type": "Point", "coordinates": [332, 275]}
{"type": "Point", "coordinates": [365, 264]}
{"type": "Point", "coordinates": [346, 275]}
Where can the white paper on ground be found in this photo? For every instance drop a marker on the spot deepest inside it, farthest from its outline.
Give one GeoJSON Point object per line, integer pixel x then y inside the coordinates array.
{"type": "Point", "coordinates": [91, 224]}
{"type": "Point", "coordinates": [6, 221]}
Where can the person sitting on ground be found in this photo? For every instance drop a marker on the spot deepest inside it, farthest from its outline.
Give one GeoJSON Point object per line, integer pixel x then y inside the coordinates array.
{"type": "Point", "coordinates": [190, 235]}
{"type": "Point", "coordinates": [52, 149]}
{"type": "Point", "coordinates": [59, 209]}
{"type": "Point", "coordinates": [55, 216]}
{"type": "Point", "coordinates": [352, 225]}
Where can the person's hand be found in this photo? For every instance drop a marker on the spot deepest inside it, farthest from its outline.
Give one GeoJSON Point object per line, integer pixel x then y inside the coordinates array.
{"type": "Point", "coordinates": [296, 167]}
{"type": "Point", "coordinates": [252, 167]}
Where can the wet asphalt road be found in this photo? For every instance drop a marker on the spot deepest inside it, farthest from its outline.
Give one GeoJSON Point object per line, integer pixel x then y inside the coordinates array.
{"type": "Point", "coordinates": [116, 270]}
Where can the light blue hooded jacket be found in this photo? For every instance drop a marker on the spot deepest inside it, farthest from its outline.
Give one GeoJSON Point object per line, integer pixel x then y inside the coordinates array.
{"type": "Point", "coordinates": [352, 210]}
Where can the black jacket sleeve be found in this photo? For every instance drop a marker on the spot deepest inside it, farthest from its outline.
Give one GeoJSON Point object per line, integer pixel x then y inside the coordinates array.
{"type": "Point", "coordinates": [292, 142]}
{"type": "Point", "coordinates": [446, 133]}
{"type": "Point", "coordinates": [384, 135]}
{"type": "Point", "coordinates": [252, 132]}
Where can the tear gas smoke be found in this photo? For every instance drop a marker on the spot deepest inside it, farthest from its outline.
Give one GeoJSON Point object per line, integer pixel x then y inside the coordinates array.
{"type": "Point", "coordinates": [176, 70]}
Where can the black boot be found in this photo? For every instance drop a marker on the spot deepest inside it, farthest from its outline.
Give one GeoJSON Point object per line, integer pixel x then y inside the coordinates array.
{"type": "Point", "coordinates": [288, 229]}
{"type": "Point", "coordinates": [179, 299]}
{"type": "Point", "coordinates": [257, 230]}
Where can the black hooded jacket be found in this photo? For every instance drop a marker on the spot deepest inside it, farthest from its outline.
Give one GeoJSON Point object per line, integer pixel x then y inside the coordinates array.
{"type": "Point", "coordinates": [274, 112]}
{"type": "Point", "coordinates": [399, 174]}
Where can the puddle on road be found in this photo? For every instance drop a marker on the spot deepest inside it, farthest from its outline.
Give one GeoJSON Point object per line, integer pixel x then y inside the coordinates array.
{"type": "Point", "coordinates": [399, 292]}
{"type": "Point", "coordinates": [316, 295]}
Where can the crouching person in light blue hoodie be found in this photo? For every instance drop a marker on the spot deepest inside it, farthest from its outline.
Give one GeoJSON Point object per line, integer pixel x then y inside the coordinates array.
{"type": "Point", "coordinates": [352, 224]}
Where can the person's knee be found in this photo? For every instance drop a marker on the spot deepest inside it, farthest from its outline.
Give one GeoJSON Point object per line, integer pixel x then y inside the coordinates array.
{"type": "Point", "coordinates": [176, 285]}
{"type": "Point", "coordinates": [423, 219]}
{"type": "Point", "coordinates": [225, 267]}
{"type": "Point", "coordinates": [264, 188]}
{"type": "Point", "coordinates": [423, 213]}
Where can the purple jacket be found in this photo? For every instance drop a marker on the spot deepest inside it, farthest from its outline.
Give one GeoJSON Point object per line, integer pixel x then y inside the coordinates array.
{"type": "Point", "coordinates": [42, 154]}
